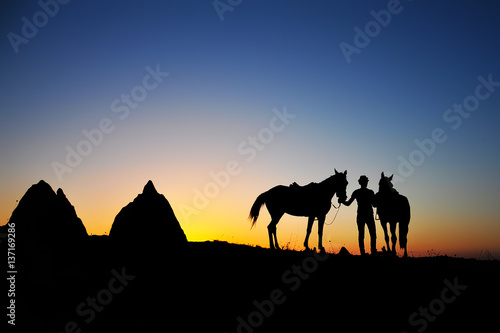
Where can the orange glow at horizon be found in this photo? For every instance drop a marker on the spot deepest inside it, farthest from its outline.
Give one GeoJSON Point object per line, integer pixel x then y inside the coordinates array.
{"type": "Point", "coordinates": [225, 218]}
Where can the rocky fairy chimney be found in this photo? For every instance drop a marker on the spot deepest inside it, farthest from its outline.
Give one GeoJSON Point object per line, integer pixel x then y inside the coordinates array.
{"type": "Point", "coordinates": [148, 221]}
{"type": "Point", "coordinates": [43, 214]}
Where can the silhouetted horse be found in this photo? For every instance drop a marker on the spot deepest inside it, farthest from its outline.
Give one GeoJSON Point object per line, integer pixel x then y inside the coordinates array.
{"type": "Point", "coordinates": [393, 207]}
{"type": "Point", "coordinates": [313, 200]}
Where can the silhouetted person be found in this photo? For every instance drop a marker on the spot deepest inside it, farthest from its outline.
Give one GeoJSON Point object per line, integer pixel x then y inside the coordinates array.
{"type": "Point", "coordinates": [364, 198]}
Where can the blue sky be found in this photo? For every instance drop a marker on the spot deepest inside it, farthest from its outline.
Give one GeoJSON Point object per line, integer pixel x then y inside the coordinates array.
{"type": "Point", "coordinates": [226, 77]}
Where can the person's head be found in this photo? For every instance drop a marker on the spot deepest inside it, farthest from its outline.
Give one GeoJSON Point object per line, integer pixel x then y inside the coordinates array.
{"type": "Point", "coordinates": [363, 181]}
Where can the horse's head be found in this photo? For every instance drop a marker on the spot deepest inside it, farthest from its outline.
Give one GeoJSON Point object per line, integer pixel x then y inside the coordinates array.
{"type": "Point", "coordinates": [385, 184]}
{"type": "Point", "coordinates": [340, 185]}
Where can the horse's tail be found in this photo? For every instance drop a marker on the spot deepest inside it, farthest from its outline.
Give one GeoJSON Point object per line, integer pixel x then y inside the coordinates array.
{"type": "Point", "coordinates": [254, 211]}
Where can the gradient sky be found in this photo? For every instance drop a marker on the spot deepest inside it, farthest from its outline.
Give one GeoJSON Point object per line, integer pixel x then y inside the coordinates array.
{"type": "Point", "coordinates": [360, 113]}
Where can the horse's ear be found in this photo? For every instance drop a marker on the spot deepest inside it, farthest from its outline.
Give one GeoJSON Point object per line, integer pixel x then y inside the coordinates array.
{"type": "Point", "coordinates": [345, 173]}
{"type": "Point", "coordinates": [390, 178]}
{"type": "Point", "coordinates": [382, 175]}
{"type": "Point", "coordinates": [336, 172]}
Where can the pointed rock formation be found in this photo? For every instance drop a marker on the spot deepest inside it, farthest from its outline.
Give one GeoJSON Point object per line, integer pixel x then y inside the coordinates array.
{"type": "Point", "coordinates": [148, 221]}
{"type": "Point", "coordinates": [344, 252]}
{"type": "Point", "coordinates": [45, 215]}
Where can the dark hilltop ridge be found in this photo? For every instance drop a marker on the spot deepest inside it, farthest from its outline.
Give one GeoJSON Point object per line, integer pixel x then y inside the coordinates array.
{"type": "Point", "coordinates": [146, 277]}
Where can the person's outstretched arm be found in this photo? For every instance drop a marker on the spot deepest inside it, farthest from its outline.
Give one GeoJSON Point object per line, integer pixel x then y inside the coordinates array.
{"type": "Point", "coordinates": [349, 202]}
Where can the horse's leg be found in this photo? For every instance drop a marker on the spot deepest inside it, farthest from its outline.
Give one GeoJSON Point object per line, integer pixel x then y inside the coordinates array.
{"type": "Point", "coordinates": [321, 223]}
{"type": "Point", "coordinates": [310, 223]}
{"type": "Point", "coordinates": [394, 238]}
{"type": "Point", "coordinates": [386, 234]}
{"type": "Point", "coordinates": [403, 235]}
{"type": "Point", "coordinates": [276, 239]}
{"type": "Point", "coordinates": [271, 229]}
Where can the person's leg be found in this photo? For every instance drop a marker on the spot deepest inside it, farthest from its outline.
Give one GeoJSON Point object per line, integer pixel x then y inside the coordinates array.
{"type": "Point", "coordinates": [361, 235]}
{"type": "Point", "coordinates": [370, 223]}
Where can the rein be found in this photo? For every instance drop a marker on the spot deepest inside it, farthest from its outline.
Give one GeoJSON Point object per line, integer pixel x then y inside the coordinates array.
{"type": "Point", "coordinates": [335, 217]}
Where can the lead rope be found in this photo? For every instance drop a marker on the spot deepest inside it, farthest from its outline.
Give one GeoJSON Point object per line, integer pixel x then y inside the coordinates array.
{"type": "Point", "coordinates": [337, 208]}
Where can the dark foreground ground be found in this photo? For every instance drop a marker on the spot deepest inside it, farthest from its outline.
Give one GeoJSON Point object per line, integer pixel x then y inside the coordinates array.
{"type": "Point", "coordinates": [220, 287]}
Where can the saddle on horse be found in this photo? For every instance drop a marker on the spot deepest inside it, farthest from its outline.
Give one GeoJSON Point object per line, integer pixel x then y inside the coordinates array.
{"type": "Point", "coordinates": [303, 189]}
